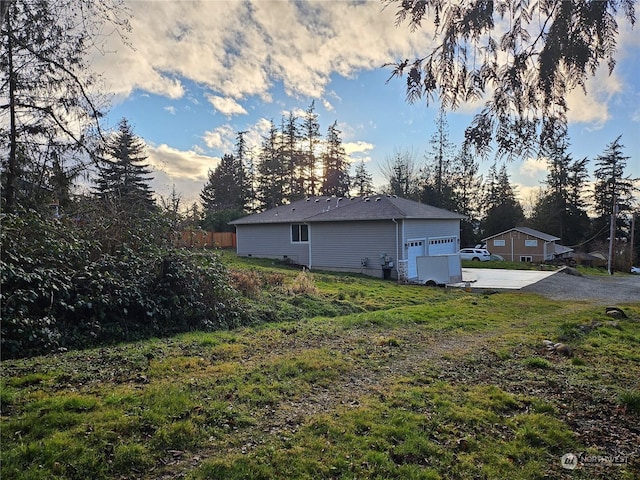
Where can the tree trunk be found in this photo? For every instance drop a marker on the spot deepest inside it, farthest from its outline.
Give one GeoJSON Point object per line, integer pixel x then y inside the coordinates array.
{"type": "Point", "coordinates": [11, 173]}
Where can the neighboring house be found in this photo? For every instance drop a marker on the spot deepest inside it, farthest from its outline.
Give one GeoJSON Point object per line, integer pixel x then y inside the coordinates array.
{"type": "Point", "coordinates": [522, 244]}
{"type": "Point", "coordinates": [379, 235]}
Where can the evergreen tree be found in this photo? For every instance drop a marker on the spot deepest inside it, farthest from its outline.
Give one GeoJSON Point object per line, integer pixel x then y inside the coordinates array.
{"type": "Point", "coordinates": [124, 176]}
{"type": "Point", "coordinates": [292, 159]}
{"type": "Point", "coordinates": [613, 191]}
{"type": "Point", "coordinates": [335, 165]}
{"type": "Point", "coordinates": [51, 108]}
{"type": "Point", "coordinates": [224, 189]}
{"type": "Point", "coordinates": [560, 209]}
{"type": "Point", "coordinates": [244, 157]}
{"type": "Point", "coordinates": [467, 191]}
{"type": "Point", "coordinates": [311, 140]}
{"type": "Point", "coordinates": [525, 56]}
{"type": "Point", "coordinates": [438, 177]}
{"type": "Point", "coordinates": [224, 195]}
{"type": "Point", "coordinates": [272, 172]}
{"type": "Point", "coordinates": [362, 182]}
{"type": "Point", "coordinates": [402, 174]}
{"type": "Point", "coordinates": [502, 209]}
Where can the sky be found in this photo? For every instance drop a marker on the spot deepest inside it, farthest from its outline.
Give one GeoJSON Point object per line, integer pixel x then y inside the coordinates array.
{"type": "Point", "coordinates": [197, 72]}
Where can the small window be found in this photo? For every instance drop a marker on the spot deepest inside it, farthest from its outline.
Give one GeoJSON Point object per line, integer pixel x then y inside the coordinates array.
{"type": "Point", "coordinates": [299, 233]}
{"type": "Point", "coordinates": [526, 258]}
{"type": "Point", "coordinates": [498, 243]}
{"type": "Point", "coordinates": [531, 243]}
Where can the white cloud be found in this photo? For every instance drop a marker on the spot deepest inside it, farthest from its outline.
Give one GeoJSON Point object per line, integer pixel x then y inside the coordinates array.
{"type": "Point", "coordinates": [225, 105]}
{"type": "Point", "coordinates": [221, 138]}
{"type": "Point", "coordinates": [352, 148]}
{"type": "Point", "coordinates": [533, 167]}
{"type": "Point", "coordinates": [238, 49]}
{"type": "Point", "coordinates": [593, 107]}
{"type": "Point", "coordinates": [176, 163]}
{"type": "Point", "coordinates": [186, 170]}
{"type": "Point", "coordinates": [327, 105]}
{"type": "Point", "coordinates": [171, 109]}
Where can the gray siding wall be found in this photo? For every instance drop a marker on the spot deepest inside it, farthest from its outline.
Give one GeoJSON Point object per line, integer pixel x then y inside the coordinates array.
{"type": "Point", "coordinates": [428, 229]}
{"type": "Point", "coordinates": [341, 246]}
{"type": "Point", "coordinates": [270, 241]}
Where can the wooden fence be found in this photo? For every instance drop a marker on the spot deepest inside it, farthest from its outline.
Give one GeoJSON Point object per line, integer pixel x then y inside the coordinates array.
{"type": "Point", "coordinates": [202, 239]}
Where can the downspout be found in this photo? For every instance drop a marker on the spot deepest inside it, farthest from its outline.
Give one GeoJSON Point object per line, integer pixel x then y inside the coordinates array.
{"type": "Point", "coordinates": [404, 237]}
{"type": "Point", "coordinates": [512, 248]}
{"type": "Point", "coordinates": [397, 250]}
{"type": "Point", "coordinates": [309, 261]}
{"type": "Point", "coordinates": [544, 251]}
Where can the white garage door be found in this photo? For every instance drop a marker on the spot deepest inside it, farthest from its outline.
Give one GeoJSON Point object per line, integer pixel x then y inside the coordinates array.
{"type": "Point", "coordinates": [443, 245]}
{"type": "Point", "coordinates": [415, 248]}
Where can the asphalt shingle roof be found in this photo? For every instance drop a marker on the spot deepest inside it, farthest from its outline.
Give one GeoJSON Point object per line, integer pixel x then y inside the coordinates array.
{"type": "Point", "coordinates": [332, 209]}
{"type": "Point", "coordinates": [527, 231]}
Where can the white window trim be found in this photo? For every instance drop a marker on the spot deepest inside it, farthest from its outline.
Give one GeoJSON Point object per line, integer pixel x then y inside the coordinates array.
{"type": "Point", "coordinates": [499, 243]}
{"type": "Point", "coordinates": [299, 225]}
{"type": "Point", "coordinates": [531, 243]}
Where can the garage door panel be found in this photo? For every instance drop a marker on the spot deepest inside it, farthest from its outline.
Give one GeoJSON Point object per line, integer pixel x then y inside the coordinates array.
{"type": "Point", "coordinates": [442, 245]}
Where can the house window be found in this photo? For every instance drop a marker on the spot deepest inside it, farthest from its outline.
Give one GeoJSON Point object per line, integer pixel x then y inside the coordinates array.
{"type": "Point", "coordinates": [531, 243]}
{"type": "Point", "coordinates": [526, 258]}
{"type": "Point", "coordinates": [299, 233]}
{"type": "Point", "coordinates": [498, 243]}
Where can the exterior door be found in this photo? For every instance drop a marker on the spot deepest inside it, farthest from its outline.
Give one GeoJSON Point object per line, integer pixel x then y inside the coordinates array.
{"type": "Point", "coordinates": [415, 249]}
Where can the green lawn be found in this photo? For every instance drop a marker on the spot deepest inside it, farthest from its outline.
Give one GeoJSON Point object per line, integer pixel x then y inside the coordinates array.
{"type": "Point", "coordinates": [351, 377]}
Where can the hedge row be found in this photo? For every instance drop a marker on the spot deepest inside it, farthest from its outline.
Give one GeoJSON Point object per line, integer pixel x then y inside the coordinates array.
{"type": "Point", "coordinates": [61, 291]}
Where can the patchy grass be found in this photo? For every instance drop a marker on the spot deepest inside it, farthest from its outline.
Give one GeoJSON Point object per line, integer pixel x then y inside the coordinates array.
{"type": "Point", "coordinates": [355, 378]}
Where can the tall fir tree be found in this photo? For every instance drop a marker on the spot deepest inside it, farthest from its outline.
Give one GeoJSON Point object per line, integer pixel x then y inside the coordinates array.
{"type": "Point", "coordinates": [560, 208]}
{"type": "Point", "coordinates": [467, 191]}
{"type": "Point", "coordinates": [224, 189]}
{"type": "Point", "coordinates": [292, 159]}
{"type": "Point", "coordinates": [438, 175]}
{"type": "Point", "coordinates": [402, 175]}
{"type": "Point", "coordinates": [272, 176]}
{"type": "Point", "coordinates": [311, 140]}
{"type": "Point", "coordinates": [244, 157]}
{"type": "Point", "coordinates": [362, 182]}
{"type": "Point", "coordinates": [502, 209]}
{"type": "Point", "coordinates": [124, 175]}
{"type": "Point", "coordinates": [335, 165]}
{"type": "Point", "coordinates": [613, 191]}
{"type": "Point", "coordinates": [224, 195]}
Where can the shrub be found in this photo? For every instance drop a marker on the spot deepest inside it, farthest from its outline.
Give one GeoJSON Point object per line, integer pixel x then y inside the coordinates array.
{"type": "Point", "coordinates": [537, 362]}
{"type": "Point", "coordinates": [631, 400]}
{"type": "Point", "coordinates": [248, 282]}
{"type": "Point", "coordinates": [59, 290]}
{"type": "Point", "coordinates": [303, 283]}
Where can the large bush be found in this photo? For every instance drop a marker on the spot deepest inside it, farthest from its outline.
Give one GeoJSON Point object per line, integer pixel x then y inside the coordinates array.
{"type": "Point", "coordinates": [61, 290]}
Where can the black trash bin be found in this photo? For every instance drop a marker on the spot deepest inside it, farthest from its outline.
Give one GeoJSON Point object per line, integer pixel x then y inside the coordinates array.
{"type": "Point", "coordinates": [386, 273]}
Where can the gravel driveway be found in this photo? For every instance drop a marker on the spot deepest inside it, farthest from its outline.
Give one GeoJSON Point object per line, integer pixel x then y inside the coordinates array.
{"type": "Point", "coordinates": [604, 290]}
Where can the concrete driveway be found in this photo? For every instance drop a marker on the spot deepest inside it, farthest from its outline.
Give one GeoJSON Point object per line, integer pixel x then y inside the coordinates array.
{"type": "Point", "coordinates": [502, 279]}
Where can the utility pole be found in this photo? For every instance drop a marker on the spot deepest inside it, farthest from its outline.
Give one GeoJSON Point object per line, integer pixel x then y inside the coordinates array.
{"type": "Point", "coordinates": [612, 235]}
{"type": "Point", "coordinates": [633, 227]}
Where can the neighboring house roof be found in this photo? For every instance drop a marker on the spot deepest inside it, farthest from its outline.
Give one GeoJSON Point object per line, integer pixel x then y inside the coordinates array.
{"type": "Point", "coordinates": [561, 249]}
{"type": "Point", "coordinates": [598, 255]}
{"type": "Point", "coordinates": [527, 231]}
{"type": "Point", "coordinates": [332, 209]}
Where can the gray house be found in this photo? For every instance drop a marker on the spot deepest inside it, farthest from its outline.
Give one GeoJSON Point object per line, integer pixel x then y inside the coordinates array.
{"type": "Point", "coordinates": [379, 236]}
